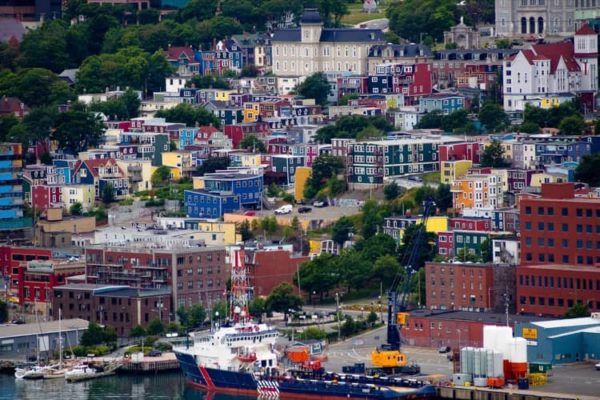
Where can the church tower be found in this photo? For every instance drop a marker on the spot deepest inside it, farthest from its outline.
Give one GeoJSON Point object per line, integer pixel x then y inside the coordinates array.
{"type": "Point", "coordinates": [311, 26]}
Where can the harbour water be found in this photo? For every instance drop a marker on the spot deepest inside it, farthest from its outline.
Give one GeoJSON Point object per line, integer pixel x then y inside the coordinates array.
{"type": "Point", "coordinates": [135, 387]}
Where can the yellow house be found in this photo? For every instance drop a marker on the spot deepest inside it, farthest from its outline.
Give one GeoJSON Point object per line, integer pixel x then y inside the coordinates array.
{"type": "Point", "coordinates": [549, 102]}
{"type": "Point", "coordinates": [84, 194]}
{"type": "Point", "coordinates": [223, 95]}
{"type": "Point", "coordinates": [180, 163]}
{"type": "Point", "coordinates": [198, 182]}
{"type": "Point", "coordinates": [138, 172]}
{"type": "Point", "coordinates": [395, 226]}
{"type": "Point", "coordinates": [543, 177]}
{"type": "Point", "coordinates": [302, 175]}
{"type": "Point", "coordinates": [503, 175]}
{"type": "Point", "coordinates": [451, 170]}
{"type": "Point", "coordinates": [249, 160]}
{"type": "Point", "coordinates": [223, 230]}
{"type": "Point", "coordinates": [251, 112]}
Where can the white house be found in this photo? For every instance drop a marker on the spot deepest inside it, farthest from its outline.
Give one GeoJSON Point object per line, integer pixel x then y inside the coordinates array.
{"type": "Point", "coordinates": [552, 70]}
{"type": "Point", "coordinates": [174, 83]}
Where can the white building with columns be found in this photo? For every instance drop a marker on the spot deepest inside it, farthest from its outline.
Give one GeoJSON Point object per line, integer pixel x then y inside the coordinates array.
{"type": "Point", "coordinates": [553, 70]}
{"type": "Point", "coordinates": [312, 48]}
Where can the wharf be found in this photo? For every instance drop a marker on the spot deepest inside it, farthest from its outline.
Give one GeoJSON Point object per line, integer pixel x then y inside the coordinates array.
{"type": "Point", "coordinates": [164, 363]}
{"type": "Point", "coordinates": [474, 393]}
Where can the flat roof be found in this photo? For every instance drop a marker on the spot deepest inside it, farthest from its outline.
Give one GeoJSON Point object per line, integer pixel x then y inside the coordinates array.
{"type": "Point", "coordinates": [487, 318]}
{"type": "Point", "coordinates": [593, 330]}
{"type": "Point", "coordinates": [566, 323]}
{"type": "Point", "coordinates": [8, 331]}
{"type": "Point", "coordinates": [564, 267]}
{"type": "Point", "coordinates": [116, 290]}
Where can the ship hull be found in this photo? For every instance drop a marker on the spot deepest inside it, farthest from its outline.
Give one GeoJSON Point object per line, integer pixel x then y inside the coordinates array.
{"type": "Point", "coordinates": [232, 382]}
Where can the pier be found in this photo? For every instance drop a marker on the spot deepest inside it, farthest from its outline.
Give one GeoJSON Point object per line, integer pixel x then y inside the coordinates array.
{"type": "Point", "coordinates": [474, 393]}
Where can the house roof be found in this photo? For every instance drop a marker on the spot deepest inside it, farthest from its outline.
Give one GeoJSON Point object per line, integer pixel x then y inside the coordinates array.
{"type": "Point", "coordinates": [207, 129]}
{"type": "Point", "coordinates": [174, 53]}
{"type": "Point", "coordinates": [94, 165]}
{"type": "Point", "coordinates": [11, 105]}
{"type": "Point", "coordinates": [311, 16]}
{"type": "Point", "coordinates": [586, 30]}
{"type": "Point", "coordinates": [69, 75]}
{"type": "Point", "coordinates": [332, 35]}
{"type": "Point", "coordinates": [66, 325]}
{"type": "Point", "coordinates": [11, 28]}
{"type": "Point", "coordinates": [556, 51]}
{"type": "Point", "coordinates": [408, 50]}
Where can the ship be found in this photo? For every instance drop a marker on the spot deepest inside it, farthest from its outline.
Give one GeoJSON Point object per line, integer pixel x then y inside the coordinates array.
{"type": "Point", "coordinates": [240, 357]}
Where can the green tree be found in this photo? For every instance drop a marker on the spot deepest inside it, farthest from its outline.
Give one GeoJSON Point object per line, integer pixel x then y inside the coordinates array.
{"type": "Point", "coordinates": [443, 197]}
{"type": "Point", "coordinates": [189, 115]}
{"type": "Point", "coordinates": [370, 132]}
{"type": "Point", "coordinates": [572, 125]}
{"type": "Point", "coordinates": [76, 130]}
{"type": "Point", "coordinates": [315, 86]}
{"type": "Point", "coordinates": [213, 164]}
{"type": "Point", "coordinates": [578, 310]}
{"type": "Point", "coordinates": [137, 331]}
{"type": "Point", "coordinates": [587, 170]}
{"type": "Point", "coordinates": [426, 251]}
{"type": "Point", "coordinates": [250, 71]}
{"type": "Point", "coordinates": [251, 142]}
{"type": "Point", "coordinates": [219, 311]}
{"type": "Point", "coordinates": [36, 87]}
{"type": "Point", "coordinates": [597, 127]}
{"type": "Point", "coordinates": [391, 190]}
{"type": "Point", "coordinates": [46, 47]}
{"type": "Point", "coordinates": [198, 9]}
{"type": "Point", "coordinates": [341, 230]}
{"type": "Point", "coordinates": [282, 299]}
{"type": "Point", "coordinates": [376, 246]}
{"type": "Point", "coordinates": [503, 43]}
{"type": "Point", "coordinates": [156, 327]}
{"type": "Point", "coordinates": [332, 11]}
{"type": "Point", "coordinates": [418, 286]}
{"type": "Point", "coordinates": [372, 218]}
{"type": "Point", "coordinates": [493, 156]}
{"type": "Point", "coordinates": [354, 268]}
{"type": "Point", "coordinates": [486, 250]}
{"type": "Point", "coordinates": [161, 177]}
{"type": "Point", "coordinates": [493, 116]}
{"type": "Point", "coordinates": [372, 318]}
{"type": "Point", "coordinates": [529, 127]}
{"type": "Point", "coordinates": [94, 335]}
{"type": "Point", "coordinates": [320, 275]}
{"type": "Point", "coordinates": [431, 120]}
{"type": "Point", "coordinates": [3, 312]}
{"type": "Point", "coordinates": [349, 127]}
{"type": "Point", "coordinates": [385, 270]}
{"type": "Point", "coordinates": [343, 100]}
{"type": "Point", "coordinates": [465, 255]}
{"type": "Point", "coordinates": [312, 333]}
{"type": "Point", "coordinates": [196, 316]}
{"type": "Point", "coordinates": [257, 308]}
{"type": "Point", "coordinates": [323, 168]}
{"type": "Point", "coordinates": [208, 81]}
{"type": "Point", "coordinates": [245, 231]}
{"type": "Point", "coordinates": [76, 208]}
{"type": "Point", "coordinates": [432, 17]}
{"type": "Point", "coordinates": [108, 193]}
{"type": "Point", "coordinates": [7, 122]}
{"type": "Point", "coordinates": [348, 327]}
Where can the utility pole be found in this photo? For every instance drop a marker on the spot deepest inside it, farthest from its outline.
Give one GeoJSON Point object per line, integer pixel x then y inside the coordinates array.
{"type": "Point", "coordinates": [337, 313]}
{"type": "Point", "coordinates": [506, 304]}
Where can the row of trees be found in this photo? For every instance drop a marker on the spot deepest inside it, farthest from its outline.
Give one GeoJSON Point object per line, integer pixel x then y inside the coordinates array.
{"type": "Point", "coordinates": [354, 127]}
{"type": "Point", "coordinates": [490, 115]}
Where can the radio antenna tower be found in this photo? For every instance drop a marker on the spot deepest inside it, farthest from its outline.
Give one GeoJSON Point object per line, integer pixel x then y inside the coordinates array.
{"type": "Point", "coordinates": [239, 288]}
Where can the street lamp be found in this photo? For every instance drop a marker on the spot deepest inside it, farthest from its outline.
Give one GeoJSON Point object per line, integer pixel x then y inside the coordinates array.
{"type": "Point", "coordinates": [337, 313]}
{"type": "Point", "coordinates": [218, 319]}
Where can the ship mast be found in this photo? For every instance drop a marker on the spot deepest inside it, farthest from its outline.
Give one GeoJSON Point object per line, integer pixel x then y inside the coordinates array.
{"type": "Point", "coordinates": [239, 288]}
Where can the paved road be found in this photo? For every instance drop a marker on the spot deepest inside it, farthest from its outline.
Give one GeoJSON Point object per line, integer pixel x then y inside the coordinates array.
{"type": "Point", "coordinates": [330, 214]}
{"type": "Point", "coordinates": [580, 378]}
{"type": "Point", "coordinates": [381, 23]}
{"type": "Point", "coordinates": [359, 349]}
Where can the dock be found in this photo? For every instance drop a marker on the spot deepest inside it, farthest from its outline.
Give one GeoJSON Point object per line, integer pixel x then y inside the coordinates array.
{"type": "Point", "coordinates": [475, 393]}
{"type": "Point", "coordinates": [151, 365]}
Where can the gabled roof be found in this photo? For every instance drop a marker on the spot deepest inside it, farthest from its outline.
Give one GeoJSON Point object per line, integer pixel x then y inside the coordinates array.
{"type": "Point", "coordinates": [556, 51]}
{"type": "Point", "coordinates": [95, 165]}
{"type": "Point", "coordinates": [11, 105]}
{"type": "Point", "coordinates": [408, 50]}
{"type": "Point", "coordinates": [174, 53]}
{"type": "Point", "coordinates": [586, 30]}
{"type": "Point", "coordinates": [208, 129]}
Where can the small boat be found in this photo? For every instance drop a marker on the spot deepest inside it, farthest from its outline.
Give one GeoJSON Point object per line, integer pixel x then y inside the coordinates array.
{"type": "Point", "coordinates": [80, 372]}
{"type": "Point", "coordinates": [56, 372]}
{"type": "Point", "coordinates": [35, 372]}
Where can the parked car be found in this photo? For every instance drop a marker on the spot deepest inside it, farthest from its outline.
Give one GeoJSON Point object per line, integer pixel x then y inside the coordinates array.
{"type": "Point", "coordinates": [284, 209]}
{"type": "Point", "coordinates": [304, 210]}
{"type": "Point", "coordinates": [250, 213]}
{"type": "Point", "coordinates": [444, 349]}
{"type": "Point", "coordinates": [155, 353]}
{"type": "Point", "coordinates": [320, 204]}
{"type": "Point", "coordinates": [598, 367]}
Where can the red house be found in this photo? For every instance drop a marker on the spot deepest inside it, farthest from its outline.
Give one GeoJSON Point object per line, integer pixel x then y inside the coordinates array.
{"type": "Point", "coordinates": [44, 197]}
{"type": "Point", "coordinates": [37, 278]}
{"type": "Point", "coordinates": [461, 151]}
{"type": "Point", "coordinates": [237, 132]}
{"type": "Point", "coordinates": [470, 224]}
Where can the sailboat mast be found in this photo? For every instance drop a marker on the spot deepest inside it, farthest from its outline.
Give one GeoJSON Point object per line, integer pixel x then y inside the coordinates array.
{"type": "Point", "coordinates": [60, 350]}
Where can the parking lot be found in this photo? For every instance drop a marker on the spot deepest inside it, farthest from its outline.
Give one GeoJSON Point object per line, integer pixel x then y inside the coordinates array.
{"type": "Point", "coordinates": [325, 214]}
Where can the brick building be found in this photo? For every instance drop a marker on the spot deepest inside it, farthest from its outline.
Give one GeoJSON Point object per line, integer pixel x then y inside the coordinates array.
{"type": "Point", "coordinates": [453, 328]}
{"type": "Point", "coordinates": [44, 197]}
{"type": "Point", "coordinates": [269, 268]}
{"type": "Point", "coordinates": [468, 287]}
{"type": "Point", "coordinates": [553, 289]}
{"type": "Point", "coordinates": [121, 307]}
{"type": "Point", "coordinates": [461, 151]}
{"type": "Point", "coordinates": [196, 275]}
{"type": "Point", "coordinates": [559, 228]}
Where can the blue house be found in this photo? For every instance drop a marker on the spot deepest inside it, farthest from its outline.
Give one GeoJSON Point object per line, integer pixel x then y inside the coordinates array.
{"type": "Point", "coordinates": [447, 103]}
{"type": "Point", "coordinates": [223, 192]}
{"type": "Point", "coordinates": [187, 137]}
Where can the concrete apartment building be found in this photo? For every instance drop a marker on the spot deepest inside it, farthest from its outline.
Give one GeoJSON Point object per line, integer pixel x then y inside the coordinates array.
{"type": "Point", "coordinates": [516, 18]}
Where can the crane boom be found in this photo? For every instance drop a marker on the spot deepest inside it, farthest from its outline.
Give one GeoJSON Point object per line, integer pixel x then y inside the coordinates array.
{"type": "Point", "coordinates": [397, 300]}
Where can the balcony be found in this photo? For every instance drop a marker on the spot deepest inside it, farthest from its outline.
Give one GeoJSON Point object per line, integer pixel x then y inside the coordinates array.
{"type": "Point", "coordinates": [134, 168]}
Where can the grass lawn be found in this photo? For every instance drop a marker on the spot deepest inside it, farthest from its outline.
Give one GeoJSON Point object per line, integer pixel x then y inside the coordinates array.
{"type": "Point", "coordinates": [356, 15]}
{"type": "Point", "coordinates": [432, 177]}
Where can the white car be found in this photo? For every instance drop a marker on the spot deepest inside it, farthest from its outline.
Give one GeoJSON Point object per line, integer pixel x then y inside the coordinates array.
{"type": "Point", "coordinates": [284, 209]}
{"type": "Point", "coordinates": [598, 367]}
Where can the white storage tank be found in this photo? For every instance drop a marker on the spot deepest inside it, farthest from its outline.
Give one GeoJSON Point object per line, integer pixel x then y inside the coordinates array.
{"type": "Point", "coordinates": [477, 362]}
{"type": "Point", "coordinates": [498, 365]}
{"type": "Point", "coordinates": [520, 350]}
{"type": "Point", "coordinates": [489, 336]}
{"type": "Point", "coordinates": [503, 341]}
{"type": "Point", "coordinates": [480, 382]}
